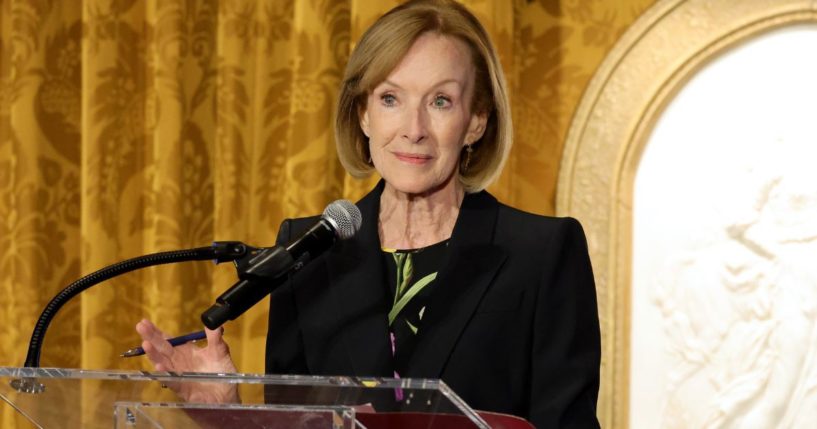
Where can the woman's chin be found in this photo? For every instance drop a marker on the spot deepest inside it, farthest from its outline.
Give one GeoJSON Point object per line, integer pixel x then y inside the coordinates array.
{"type": "Point", "coordinates": [419, 186]}
{"type": "Point", "coordinates": [411, 188]}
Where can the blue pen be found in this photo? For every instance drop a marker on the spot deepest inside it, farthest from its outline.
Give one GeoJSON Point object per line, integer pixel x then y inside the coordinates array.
{"type": "Point", "coordinates": [177, 341]}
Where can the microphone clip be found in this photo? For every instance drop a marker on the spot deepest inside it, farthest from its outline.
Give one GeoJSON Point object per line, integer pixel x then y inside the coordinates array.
{"type": "Point", "coordinates": [255, 263]}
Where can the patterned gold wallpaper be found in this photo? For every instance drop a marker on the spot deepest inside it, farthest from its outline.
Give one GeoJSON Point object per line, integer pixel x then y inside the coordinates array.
{"type": "Point", "coordinates": [129, 127]}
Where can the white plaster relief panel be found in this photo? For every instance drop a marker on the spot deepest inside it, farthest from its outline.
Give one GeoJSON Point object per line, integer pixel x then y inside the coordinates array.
{"type": "Point", "coordinates": [724, 293]}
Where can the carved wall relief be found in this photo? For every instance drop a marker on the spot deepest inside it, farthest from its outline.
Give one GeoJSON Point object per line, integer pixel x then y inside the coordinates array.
{"type": "Point", "coordinates": [727, 302]}
{"type": "Point", "coordinates": [724, 290]}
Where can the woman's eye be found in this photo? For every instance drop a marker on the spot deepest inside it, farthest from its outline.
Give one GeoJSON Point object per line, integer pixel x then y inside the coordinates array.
{"type": "Point", "coordinates": [388, 99]}
{"type": "Point", "coordinates": [441, 102]}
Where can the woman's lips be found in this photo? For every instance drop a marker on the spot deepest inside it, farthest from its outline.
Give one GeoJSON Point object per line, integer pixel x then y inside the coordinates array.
{"type": "Point", "coordinates": [412, 158]}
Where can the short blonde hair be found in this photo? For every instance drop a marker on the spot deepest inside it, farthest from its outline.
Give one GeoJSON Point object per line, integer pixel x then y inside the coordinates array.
{"type": "Point", "coordinates": [382, 48]}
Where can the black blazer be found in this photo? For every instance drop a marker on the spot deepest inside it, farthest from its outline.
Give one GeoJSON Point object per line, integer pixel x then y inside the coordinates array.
{"type": "Point", "coordinates": [512, 325]}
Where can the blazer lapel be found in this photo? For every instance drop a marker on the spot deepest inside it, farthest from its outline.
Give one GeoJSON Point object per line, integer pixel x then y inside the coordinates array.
{"type": "Point", "coordinates": [357, 280]}
{"type": "Point", "coordinates": [473, 262]}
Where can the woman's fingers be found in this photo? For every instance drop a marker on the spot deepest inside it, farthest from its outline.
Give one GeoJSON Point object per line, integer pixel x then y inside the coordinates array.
{"type": "Point", "coordinates": [215, 341]}
{"type": "Point", "coordinates": [215, 357]}
{"type": "Point", "coordinates": [151, 334]}
{"type": "Point", "coordinates": [161, 361]}
{"type": "Point", "coordinates": [156, 347]}
{"type": "Point", "coordinates": [217, 352]}
{"type": "Point", "coordinates": [214, 335]}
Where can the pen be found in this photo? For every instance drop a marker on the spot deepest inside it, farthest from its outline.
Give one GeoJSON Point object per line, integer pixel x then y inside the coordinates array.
{"type": "Point", "coordinates": [176, 341]}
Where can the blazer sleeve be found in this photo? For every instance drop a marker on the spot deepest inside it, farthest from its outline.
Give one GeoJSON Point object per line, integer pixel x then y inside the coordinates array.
{"type": "Point", "coordinates": [285, 350]}
{"type": "Point", "coordinates": [566, 350]}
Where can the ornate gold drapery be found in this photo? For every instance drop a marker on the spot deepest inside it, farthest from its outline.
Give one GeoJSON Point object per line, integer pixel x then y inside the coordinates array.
{"type": "Point", "coordinates": [130, 127]}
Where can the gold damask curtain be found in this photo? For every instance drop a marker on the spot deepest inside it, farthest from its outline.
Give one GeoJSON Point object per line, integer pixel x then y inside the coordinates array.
{"type": "Point", "coordinates": [129, 127]}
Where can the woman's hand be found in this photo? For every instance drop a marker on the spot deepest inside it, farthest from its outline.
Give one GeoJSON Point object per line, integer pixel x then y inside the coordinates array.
{"type": "Point", "coordinates": [215, 357]}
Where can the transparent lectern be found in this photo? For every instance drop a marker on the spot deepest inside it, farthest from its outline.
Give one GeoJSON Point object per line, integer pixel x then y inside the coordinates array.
{"type": "Point", "coordinates": [61, 398]}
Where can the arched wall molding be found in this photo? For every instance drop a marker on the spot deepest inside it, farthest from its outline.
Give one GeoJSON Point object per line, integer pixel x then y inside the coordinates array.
{"type": "Point", "coordinates": [652, 61]}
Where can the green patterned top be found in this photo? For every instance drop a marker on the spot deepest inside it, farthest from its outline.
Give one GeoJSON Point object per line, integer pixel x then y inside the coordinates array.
{"type": "Point", "coordinates": [411, 274]}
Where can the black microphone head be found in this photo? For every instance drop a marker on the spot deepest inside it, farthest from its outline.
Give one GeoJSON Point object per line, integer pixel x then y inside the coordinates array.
{"type": "Point", "coordinates": [345, 217]}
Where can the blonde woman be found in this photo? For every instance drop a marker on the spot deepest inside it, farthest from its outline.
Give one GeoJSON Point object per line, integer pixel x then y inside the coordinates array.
{"type": "Point", "coordinates": [442, 280]}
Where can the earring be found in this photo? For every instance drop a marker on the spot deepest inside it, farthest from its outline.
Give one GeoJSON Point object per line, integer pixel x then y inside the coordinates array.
{"type": "Point", "coordinates": [468, 151]}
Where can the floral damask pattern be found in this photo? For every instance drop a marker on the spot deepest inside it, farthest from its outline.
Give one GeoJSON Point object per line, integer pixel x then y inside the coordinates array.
{"type": "Point", "coordinates": [557, 46]}
{"type": "Point", "coordinates": [135, 126]}
{"type": "Point", "coordinates": [58, 107]}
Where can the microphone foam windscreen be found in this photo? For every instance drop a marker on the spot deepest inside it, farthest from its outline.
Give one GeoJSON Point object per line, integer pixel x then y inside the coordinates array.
{"type": "Point", "coordinates": [345, 216]}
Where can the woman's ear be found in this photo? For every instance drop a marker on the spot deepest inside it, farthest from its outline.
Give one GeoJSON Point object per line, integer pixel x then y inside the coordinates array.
{"type": "Point", "coordinates": [363, 116]}
{"type": "Point", "coordinates": [476, 128]}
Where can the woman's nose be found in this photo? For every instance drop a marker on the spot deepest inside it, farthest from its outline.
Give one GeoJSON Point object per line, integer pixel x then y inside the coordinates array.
{"type": "Point", "coordinates": [416, 125]}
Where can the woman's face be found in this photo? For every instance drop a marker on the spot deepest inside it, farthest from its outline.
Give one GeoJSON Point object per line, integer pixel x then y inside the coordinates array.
{"type": "Point", "coordinates": [419, 118]}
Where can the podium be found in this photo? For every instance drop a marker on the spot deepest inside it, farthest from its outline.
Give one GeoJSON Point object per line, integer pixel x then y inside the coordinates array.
{"type": "Point", "coordinates": [61, 398]}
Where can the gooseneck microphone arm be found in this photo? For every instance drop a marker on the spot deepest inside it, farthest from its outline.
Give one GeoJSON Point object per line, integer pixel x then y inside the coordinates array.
{"type": "Point", "coordinates": [219, 252]}
{"type": "Point", "coordinates": [259, 271]}
{"type": "Point", "coordinates": [263, 270]}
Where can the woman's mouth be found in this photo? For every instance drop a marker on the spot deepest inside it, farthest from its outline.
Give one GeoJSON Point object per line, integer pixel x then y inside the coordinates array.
{"type": "Point", "coordinates": [412, 158]}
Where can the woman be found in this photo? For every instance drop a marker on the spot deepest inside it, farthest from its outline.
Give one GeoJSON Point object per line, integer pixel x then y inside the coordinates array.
{"type": "Point", "coordinates": [442, 281]}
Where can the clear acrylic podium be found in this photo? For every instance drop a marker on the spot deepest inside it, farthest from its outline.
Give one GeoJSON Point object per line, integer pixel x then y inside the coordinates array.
{"type": "Point", "coordinates": [62, 398]}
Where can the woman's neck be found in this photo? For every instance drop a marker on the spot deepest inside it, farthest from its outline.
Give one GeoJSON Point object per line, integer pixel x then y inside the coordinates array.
{"type": "Point", "coordinates": [411, 221]}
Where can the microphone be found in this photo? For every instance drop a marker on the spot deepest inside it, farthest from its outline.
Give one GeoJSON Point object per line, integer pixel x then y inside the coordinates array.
{"type": "Point", "coordinates": [263, 270]}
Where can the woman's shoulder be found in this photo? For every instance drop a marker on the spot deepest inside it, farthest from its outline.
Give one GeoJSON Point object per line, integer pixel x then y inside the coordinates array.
{"type": "Point", "coordinates": [522, 226]}
{"type": "Point", "coordinates": [510, 213]}
{"type": "Point", "coordinates": [517, 219]}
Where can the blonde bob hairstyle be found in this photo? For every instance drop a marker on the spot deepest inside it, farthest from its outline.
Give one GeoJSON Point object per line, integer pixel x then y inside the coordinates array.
{"type": "Point", "coordinates": [382, 48]}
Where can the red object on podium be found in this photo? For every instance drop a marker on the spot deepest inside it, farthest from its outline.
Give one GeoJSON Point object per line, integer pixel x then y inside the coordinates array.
{"type": "Point", "coordinates": [439, 421]}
